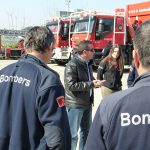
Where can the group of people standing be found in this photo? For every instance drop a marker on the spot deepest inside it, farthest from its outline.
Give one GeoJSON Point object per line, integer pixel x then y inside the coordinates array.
{"type": "Point", "coordinates": [79, 83]}
{"type": "Point", "coordinates": [34, 103]}
{"type": "Point", "coordinates": [37, 113]}
{"type": "Point", "coordinates": [122, 119]}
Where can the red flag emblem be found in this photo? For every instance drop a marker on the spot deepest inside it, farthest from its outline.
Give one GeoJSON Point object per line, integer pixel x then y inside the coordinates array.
{"type": "Point", "coordinates": [61, 101]}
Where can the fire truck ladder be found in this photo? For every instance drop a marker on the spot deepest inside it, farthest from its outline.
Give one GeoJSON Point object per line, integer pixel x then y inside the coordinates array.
{"type": "Point", "coordinates": [119, 14]}
{"type": "Point", "coordinates": [58, 20]}
{"type": "Point", "coordinates": [80, 14]}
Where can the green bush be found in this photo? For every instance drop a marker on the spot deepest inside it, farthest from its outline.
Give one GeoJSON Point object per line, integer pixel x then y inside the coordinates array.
{"type": "Point", "coordinates": [9, 41]}
{"type": "Point", "coordinates": [11, 45]}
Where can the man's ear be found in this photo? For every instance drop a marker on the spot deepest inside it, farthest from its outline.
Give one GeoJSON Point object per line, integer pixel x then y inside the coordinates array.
{"type": "Point", "coordinates": [50, 47]}
{"type": "Point", "coordinates": [83, 53]}
{"type": "Point", "coordinates": [136, 58]}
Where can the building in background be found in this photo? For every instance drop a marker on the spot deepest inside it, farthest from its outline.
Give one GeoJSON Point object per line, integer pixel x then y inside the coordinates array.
{"type": "Point", "coordinates": [138, 11]}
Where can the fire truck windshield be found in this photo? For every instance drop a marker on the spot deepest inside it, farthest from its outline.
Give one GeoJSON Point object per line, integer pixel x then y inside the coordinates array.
{"type": "Point", "coordinates": [55, 28]}
{"type": "Point", "coordinates": [105, 25]}
{"type": "Point", "coordinates": [84, 26]}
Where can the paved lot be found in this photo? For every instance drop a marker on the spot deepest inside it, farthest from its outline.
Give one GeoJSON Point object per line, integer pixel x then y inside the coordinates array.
{"type": "Point", "coordinates": [60, 70]}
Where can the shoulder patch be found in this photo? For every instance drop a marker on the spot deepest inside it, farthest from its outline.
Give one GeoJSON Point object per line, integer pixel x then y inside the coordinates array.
{"type": "Point", "coordinates": [61, 101]}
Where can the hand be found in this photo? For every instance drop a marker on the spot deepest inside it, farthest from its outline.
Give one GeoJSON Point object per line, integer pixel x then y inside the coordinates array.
{"type": "Point", "coordinates": [98, 83]}
{"type": "Point", "coordinates": [131, 68]}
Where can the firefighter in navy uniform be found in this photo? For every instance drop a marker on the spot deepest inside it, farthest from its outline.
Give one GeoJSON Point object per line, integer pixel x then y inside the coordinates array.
{"type": "Point", "coordinates": [32, 111]}
{"type": "Point", "coordinates": [122, 121]}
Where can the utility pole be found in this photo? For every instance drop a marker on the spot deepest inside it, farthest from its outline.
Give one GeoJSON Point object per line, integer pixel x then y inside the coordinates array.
{"type": "Point", "coordinates": [68, 5]}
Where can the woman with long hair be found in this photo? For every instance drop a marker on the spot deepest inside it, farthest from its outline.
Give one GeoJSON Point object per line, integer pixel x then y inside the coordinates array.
{"type": "Point", "coordinates": [111, 70]}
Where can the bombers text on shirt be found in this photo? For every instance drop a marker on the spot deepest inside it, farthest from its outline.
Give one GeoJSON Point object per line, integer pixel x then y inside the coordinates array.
{"type": "Point", "coordinates": [127, 120]}
{"type": "Point", "coordinates": [20, 80]}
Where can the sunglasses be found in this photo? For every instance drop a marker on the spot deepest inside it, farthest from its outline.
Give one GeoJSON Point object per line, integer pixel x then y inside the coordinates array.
{"type": "Point", "coordinates": [91, 50]}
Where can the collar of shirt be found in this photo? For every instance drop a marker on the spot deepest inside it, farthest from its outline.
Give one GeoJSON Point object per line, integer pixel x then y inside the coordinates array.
{"type": "Point", "coordinates": [34, 59]}
{"type": "Point", "coordinates": [143, 79]}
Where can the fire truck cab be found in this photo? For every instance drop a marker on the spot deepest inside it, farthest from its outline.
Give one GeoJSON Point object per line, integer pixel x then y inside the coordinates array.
{"type": "Point", "coordinates": [101, 28]}
{"type": "Point", "coordinates": [60, 28]}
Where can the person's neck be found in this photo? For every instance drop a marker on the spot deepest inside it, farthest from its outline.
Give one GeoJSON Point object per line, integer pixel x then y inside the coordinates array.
{"type": "Point", "coordinates": [142, 70]}
{"type": "Point", "coordinates": [43, 57]}
{"type": "Point", "coordinates": [114, 59]}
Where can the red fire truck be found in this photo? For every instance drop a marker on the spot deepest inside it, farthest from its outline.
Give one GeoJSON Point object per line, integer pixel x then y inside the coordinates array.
{"type": "Point", "coordinates": [60, 28]}
{"type": "Point", "coordinates": [138, 11]}
{"type": "Point", "coordinates": [101, 28]}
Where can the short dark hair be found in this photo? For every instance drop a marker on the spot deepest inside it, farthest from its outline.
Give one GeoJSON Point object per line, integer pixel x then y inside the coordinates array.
{"type": "Point", "coordinates": [136, 21]}
{"type": "Point", "coordinates": [142, 43]}
{"type": "Point", "coordinates": [83, 45]}
{"type": "Point", "coordinates": [39, 38]}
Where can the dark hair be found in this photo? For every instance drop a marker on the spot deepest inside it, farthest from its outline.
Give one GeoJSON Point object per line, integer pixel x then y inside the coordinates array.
{"type": "Point", "coordinates": [119, 60]}
{"type": "Point", "coordinates": [142, 43]}
{"type": "Point", "coordinates": [38, 38]}
{"type": "Point", "coordinates": [83, 45]}
{"type": "Point", "coordinates": [109, 42]}
{"type": "Point", "coordinates": [135, 21]}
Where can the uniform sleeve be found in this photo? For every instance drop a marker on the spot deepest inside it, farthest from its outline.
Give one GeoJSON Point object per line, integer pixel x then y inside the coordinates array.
{"type": "Point", "coordinates": [53, 116]}
{"type": "Point", "coordinates": [100, 71]}
{"type": "Point", "coordinates": [72, 80]}
{"type": "Point", "coordinates": [95, 137]}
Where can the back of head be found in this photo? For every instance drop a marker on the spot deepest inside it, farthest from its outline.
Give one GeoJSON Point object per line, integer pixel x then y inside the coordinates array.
{"type": "Point", "coordinates": [38, 39]}
{"type": "Point", "coordinates": [136, 21]}
{"type": "Point", "coordinates": [142, 43]}
{"type": "Point", "coordinates": [110, 43]}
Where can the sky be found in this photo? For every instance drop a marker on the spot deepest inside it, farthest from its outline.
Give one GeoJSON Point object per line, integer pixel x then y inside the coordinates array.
{"type": "Point", "coordinates": [18, 14]}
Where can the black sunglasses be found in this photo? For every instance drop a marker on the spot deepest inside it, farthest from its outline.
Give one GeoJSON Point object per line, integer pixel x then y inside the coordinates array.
{"type": "Point", "coordinates": [91, 50]}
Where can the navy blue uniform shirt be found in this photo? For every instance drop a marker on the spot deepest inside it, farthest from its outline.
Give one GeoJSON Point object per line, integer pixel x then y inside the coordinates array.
{"type": "Point", "coordinates": [122, 121]}
{"type": "Point", "coordinates": [32, 112]}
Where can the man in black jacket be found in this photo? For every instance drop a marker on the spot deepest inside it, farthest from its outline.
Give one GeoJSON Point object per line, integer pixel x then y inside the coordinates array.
{"type": "Point", "coordinates": [122, 121]}
{"type": "Point", "coordinates": [79, 84]}
{"type": "Point", "coordinates": [32, 111]}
